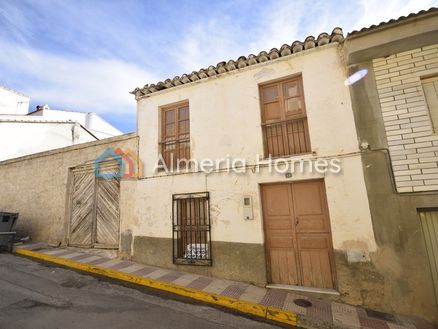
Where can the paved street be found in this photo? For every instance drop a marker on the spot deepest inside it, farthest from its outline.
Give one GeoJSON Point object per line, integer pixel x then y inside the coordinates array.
{"type": "Point", "coordinates": [33, 295]}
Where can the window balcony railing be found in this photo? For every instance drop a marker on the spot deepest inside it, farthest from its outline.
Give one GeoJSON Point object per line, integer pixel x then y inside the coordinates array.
{"type": "Point", "coordinates": [174, 150]}
{"type": "Point", "coordinates": [286, 137]}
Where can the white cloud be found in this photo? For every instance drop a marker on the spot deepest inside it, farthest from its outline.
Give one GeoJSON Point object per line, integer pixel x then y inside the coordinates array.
{"type": "Point", "coordinates": [209, 41]}
{"type": "Point", "coordinates": [101, 82]}
{"type": "Point", "coordinates": [98, 85]}
{"type": "Point", "coordinates": [377, 11]}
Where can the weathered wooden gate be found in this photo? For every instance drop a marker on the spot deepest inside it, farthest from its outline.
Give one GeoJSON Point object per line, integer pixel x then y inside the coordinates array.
{"type": "Point", "coordinates": [94, 207]}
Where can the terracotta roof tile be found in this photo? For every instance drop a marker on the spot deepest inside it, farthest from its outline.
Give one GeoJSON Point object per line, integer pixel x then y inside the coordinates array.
{"type": "Point", "coordinates": [242, 61]}
{"type": "Point", "coordinates": [263, 56]}
{"type": "Point", "coordinates": [392, 21]}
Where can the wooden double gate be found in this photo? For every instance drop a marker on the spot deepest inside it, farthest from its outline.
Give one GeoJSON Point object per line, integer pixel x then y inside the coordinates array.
{"type": "Point", "coordinates": [94, 207]}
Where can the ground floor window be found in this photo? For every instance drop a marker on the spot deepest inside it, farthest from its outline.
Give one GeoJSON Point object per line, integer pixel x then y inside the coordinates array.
{"type": "Point", "coordinates": [191, 229]}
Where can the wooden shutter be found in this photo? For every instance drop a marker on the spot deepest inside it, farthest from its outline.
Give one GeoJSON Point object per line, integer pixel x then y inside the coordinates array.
{"type": "Point", "coordinates": [285, 129]}
{"type": "Point", "coordinates": [175, 142]}
{"type": "Point", "coordinates": [271, 98]}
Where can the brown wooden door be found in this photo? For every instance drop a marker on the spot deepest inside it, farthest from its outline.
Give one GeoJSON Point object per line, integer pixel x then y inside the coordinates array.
{"type": "Point", "coordinates": [297, 230]}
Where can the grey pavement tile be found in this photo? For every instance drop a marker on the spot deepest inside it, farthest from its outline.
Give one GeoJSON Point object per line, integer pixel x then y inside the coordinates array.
{"type": "Point", "coordinates": [254, 294]}
{"type": "Point", "coordinates": [234, 290]}
{"type": "Point", "coordinates": [186, 279]}
{"type": "Point", "coordinates": [275, 298]}
{"type": "Point", "coordinates": [171, 276]}
{"type": "Point", "coordinates": [345, 315]}
{"type": "Point", "coordinates": [80, 257]}
{"type": "Point", "coordinates": [289, 304]}
{"type": "Point", "coordinates": [110, 263]}
{"type": "Point", "coordinates": [89, 259]}
{"type": "Point", "coordinates": [321, 310]}
{"type": "Point", "coordinates": [143, 271]}
{"type": "Point", "coordinates": [121, 265]}
{"type": "Point", "coordinates": [72, 255]}
{"type": "Point", "coordinates": [154, 275]}
{"type": "Point", "coordinates": [217, 286]}
{"type": "Point", "coordinates": [132, 268]}
{"type": "Point", "coordinates": [58, 252]}
{"type": "Point", "coordinates": [99, 261]}
{"type": "Point", "coordinates": [200, 283]}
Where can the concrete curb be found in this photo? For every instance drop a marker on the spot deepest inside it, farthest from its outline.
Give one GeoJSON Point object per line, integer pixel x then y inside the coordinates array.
{"type": "Point", "coordinates": [266, 312]}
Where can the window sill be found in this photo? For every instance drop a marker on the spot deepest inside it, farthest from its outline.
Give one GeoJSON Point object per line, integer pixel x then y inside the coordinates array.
{"type": "Point", "coordinates": [290, 157]}
{"type": "Point", "coordinates": [194, 262]}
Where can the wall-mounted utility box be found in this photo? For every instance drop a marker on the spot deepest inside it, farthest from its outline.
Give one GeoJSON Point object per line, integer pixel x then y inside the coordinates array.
{"type": "Point", "coordinates": [247, 208]}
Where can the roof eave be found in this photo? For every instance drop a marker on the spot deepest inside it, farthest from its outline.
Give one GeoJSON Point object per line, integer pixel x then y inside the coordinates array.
{"type": "Point", "coordinates": [223, 67]}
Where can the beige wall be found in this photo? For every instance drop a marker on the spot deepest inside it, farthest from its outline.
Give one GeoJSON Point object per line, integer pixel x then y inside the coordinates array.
{"type": "Point", "coordinates": [36, 186]}
{"type": "Point", "coordinates": [148, 205]}
{"type": "Point", "coordinates": [225, 120]}
{"type": "Point", "coordinates": [411, 139]}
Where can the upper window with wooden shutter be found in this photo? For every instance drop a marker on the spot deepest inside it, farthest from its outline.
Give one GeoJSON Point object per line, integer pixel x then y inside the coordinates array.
{"type": "Point", "coordinates": [284, 120]}
{"type": "Point", "coordinates": [175, 136]}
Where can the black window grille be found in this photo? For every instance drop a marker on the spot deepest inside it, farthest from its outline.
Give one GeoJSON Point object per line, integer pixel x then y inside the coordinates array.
{"type": "Point", "coordinates": [191, 229]}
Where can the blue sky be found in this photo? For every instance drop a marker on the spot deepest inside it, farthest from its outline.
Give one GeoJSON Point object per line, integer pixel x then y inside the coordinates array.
{"type": "Point", "coordinates": [88, 55]}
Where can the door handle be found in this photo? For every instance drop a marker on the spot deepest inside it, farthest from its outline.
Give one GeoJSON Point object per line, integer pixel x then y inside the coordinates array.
{"type": "Point", "coordinates": [297, 221]}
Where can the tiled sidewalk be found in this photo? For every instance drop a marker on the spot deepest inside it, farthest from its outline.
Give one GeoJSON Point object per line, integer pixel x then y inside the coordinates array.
{"type": "Point", "coordinates": [321, 314]}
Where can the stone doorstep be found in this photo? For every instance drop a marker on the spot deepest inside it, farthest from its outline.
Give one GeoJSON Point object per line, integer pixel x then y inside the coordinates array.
{"type": "Point", "coordinates": [304, 289]}
{"type": "Point", "coordinates": [321, 314]}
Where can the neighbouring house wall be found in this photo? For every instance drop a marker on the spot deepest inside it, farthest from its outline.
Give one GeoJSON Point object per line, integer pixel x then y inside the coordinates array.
{"type": "Point", "coordinates": [12, 102]}
{"type": "Point", "coordinates": [411, 139]}
{"type": "Point", "coordinates": [225, 120]}
{"type": "Point", "coordinates": [100, 127]}
{"type": "Point", "coordinates": [23, 138]}
{"type": "Point", "coordinates": [92, 121]}
{"type": "Point", "coordinates": [401, 259]}
{"type": "Point", "coordinates": [36, 186]}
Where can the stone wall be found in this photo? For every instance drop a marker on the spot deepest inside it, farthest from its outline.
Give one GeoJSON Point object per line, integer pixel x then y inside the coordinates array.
{"type": "Point", "coordinates": [36, 186]}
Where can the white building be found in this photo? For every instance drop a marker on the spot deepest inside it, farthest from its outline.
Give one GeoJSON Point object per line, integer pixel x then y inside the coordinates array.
{"type": "Point", "coordinates": [90, 120]}
{"type": "Point", "coordinates": [13, 102]}
{"type": "Point", "coordinates": [23, 133]}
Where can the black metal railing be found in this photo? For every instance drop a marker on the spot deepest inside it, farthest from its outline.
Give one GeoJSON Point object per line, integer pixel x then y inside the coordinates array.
{"type": "Point", "coordinates": [191, 229]}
